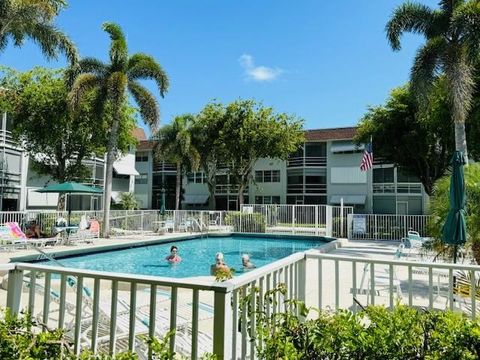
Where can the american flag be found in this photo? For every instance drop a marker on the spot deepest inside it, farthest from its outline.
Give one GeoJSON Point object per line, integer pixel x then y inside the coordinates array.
{"type": "Point", "coordinates": [367, 159]}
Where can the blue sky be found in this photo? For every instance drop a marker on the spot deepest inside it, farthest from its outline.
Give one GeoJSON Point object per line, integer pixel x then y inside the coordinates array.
{"type": "Point", "coordinates": [324, 61]}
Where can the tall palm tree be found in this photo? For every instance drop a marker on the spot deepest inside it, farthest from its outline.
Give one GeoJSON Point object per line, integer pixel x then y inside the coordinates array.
{"type": "Point", "coordinates": [113, 81]}
{"type": "Point", "coordinates": [175, 145]}
{"type": "Point", "coordinates": [452, 34]}
{"type": "Point", "coordinates": [33, 19]}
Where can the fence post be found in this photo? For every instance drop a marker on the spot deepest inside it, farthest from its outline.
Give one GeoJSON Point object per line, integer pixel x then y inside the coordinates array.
{"type": "Point", "coordinates": [222, 325]}
{"type": "Point", "coordinates": [328, 221]}
{"type": "Point", "coordinates": [14, 290]}
{"type": "Point", "coordinates": [141, 220]}
{"type": "Point", "coordinates": [316, 219]}
{"type": "Point", "coordinates": [301, 279]}
{"type": "Point", "coordinates": [293, 218]}
{"type": "Point", "coordinates": [349, 226]}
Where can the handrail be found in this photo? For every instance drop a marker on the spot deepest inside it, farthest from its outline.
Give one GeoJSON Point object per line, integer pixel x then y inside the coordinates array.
{"type": "Point", "coordinates": [142, 279]}
{"type": "Point", "coordinates": [49, 257]}
{"type": "Point", "coordinates": [456, 266]}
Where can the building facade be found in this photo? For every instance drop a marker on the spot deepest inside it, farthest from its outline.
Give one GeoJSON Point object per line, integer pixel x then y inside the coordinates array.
{"type": "Point", "coordinates": [19, 180]}
{"type": "Point", "coordinates": [324, 170]}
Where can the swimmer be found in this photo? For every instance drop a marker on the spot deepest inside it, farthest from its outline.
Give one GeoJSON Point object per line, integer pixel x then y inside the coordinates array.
{"type": "Point", "coordinates": [219, 264]}
{"type": "Point", "coordinates": [173, 257]}
{"type": "Point", "coordinates": [247, 264]}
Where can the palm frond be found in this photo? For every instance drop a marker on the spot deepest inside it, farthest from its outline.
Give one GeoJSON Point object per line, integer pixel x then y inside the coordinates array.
{"type": "Point", "coordinates": [82, 84]}
{"type": "Point", "coordinates": [93, 65]}
{"type": "Point", "coordinates": [466, 20]}
{"type": "Point", "coordinates": [116, 87]}
{"type": "Point", "coordinates": [426, 66]}
{"type": "Point", "coordinates": [142, 66]}
{"type": "Point", "coordinates": [408, 17]}
{"type": "Point", "coordinates": [449, 6]}
{"type": "Point", "coordinates": [51, 40]}
{"type": "Point", "coordinates": [146, 102]}
{"type": "Point", "coordinates": [118, 46]}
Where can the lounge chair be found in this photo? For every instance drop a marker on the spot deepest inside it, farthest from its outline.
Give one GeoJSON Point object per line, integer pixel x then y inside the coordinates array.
{"type": "Point", "coordinates": [85, 235]}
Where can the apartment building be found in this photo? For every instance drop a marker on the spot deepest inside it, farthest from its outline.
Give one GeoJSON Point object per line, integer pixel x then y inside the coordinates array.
{"type": "Point", "coordinates": [19, 180]}
{"type": "Point", "coordinates": [324, 170]}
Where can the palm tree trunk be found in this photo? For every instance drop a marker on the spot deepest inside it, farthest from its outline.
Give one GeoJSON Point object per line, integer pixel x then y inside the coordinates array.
{"type": "Point", "coordinates": [111, 152]}
{"type": "Point", "coordinates": [461, 139]}
{"type": "Point", "coordinates": [178, 186]}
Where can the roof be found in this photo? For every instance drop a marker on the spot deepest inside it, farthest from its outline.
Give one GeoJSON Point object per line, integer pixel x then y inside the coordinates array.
{"type": "Point", "coordinates": [145, 145]}
{"type": "Point", "coordinates": [139, 134]}
{"type": "Point", "coordinates": [346, 133]}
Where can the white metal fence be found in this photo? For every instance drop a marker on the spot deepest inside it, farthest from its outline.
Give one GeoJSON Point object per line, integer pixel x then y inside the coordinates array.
{"type": "Point", "coordinates": [323, 220]}
{"type": "Point", "coordinates": [109, 311]}
{"type": "Point", "coordinates": [385, 227]}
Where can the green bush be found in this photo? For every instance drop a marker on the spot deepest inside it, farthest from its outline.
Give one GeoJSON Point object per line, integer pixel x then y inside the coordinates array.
{"type": "Point", "coordinates": [373, 333]}
{"type": "Point", "coordinates": [243, 222]}
{"type": "Point", "coordinates": [22, 338]}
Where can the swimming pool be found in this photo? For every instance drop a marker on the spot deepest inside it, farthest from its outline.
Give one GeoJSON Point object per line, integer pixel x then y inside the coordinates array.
{"type": "Point", "coordinates": [197, 255]}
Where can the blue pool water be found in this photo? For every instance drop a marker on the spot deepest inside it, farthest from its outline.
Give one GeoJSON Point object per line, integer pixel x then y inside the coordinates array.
{"type": "Point", "coordinates": [197, 255]}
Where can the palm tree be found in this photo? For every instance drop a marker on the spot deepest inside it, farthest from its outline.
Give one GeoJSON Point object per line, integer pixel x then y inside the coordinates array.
{"type": "Point", "coordinates": [175, 145]}
{"type": "Point", "coordinates": [113, 82]}
{"type": "Point", "coordinates": [452, 35]}
{"type": "Point", "coordinates": [33, 19]}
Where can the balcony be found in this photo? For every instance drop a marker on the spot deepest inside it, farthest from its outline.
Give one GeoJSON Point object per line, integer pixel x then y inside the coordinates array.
{"type": "Point", "coordinates": [311, 161]}
{"type": "Point", "coordinates": [157, 167]}
{"type": "Point", "coordinates": [306, 189]}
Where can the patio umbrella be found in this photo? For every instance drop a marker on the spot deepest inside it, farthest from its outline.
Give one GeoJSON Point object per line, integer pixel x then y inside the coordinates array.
{"type": "Point", "coordinates": [70, 188]}
{"type": "Point", "coordinates": [162, 206]}
{"type": "Point", "coordinates": [454, 231]}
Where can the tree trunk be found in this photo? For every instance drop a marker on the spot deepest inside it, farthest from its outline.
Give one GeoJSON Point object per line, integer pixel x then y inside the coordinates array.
{"type": "Point", "coordinates": [240, 196]}
{"type": "Point", "coordinates": [178, 186]}
{"type": "Point", "coordinates": [61, 202]}
{"type": "Point", "coordinates": [461, 139]}
{"type": "Point", "coordinates": [111, 152]}
{"type": "Point", "coordinates": [211, 200]}
{"type": "Point", "coordinates": [476, 251]}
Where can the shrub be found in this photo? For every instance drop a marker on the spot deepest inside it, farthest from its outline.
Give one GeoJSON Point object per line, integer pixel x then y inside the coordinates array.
{"type": "Point", "coordinates": [373, 333]}
{"type": "Point", "coordinates": [243, 222]}
{"type": "Point", "coordinates": [22, 338]}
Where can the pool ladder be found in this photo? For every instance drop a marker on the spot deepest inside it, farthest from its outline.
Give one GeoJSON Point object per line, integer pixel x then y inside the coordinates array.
{"type": "Point", "coordinates": [202, 226]}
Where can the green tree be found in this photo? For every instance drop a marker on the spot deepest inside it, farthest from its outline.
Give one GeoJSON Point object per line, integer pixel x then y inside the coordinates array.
{"type": "Point", "coordinates": [175, 145]}
{"type": "Point", "coordinates": [452, 35]}
{"type": "Point", "coordinates": [252, 131]}
{"type": "Point", "coordinates": [439, 206]}
{"type": "Point", "coordinates": [112, 82]}
{"type": "Point", "coordinates": [33, 19]}
{"type": "Point", "coordinates": [420, 142]}
{"type": "Point", "coordinates": [57, 139]}
{"type": "Point", "coordinates": [206, 129]}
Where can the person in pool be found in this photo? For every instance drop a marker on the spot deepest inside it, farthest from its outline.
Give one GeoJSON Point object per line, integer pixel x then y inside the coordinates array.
{"type": "Point", "coordinates": [173, 257]}
{"type": "Point", "coordinates": [219, 264]}
{"type": "Point", "coordinates": [247, 264]}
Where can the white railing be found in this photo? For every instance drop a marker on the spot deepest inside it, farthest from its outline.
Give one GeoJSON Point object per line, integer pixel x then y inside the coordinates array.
{"type": "Point", "coordinates": [319, 220]}
{"type": "Point", "coordinates": [385, 226]}
{"type": "Point", "coordinates": [106, 311]}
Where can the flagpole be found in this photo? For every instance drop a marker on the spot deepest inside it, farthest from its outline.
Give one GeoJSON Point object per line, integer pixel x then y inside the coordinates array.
{"type": "Point", "coordinates": [371, 176]}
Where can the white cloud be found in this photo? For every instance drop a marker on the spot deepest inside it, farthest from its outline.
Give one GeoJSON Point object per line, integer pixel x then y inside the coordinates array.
{"type": "Point", "coordinates": [258, 73]}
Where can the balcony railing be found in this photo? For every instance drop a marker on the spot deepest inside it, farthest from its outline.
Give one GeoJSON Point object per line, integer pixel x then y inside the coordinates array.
{"type": "Point", "coordinates": [401, 188]}
{"type": "Point", "coordinates": [228, 189]}
{"type": "Point", "coordinates": [306, 188]}
{"type": "Point", "coordinates": [166, 167]}
{"type": "Point", "coordinates": [307, 161]}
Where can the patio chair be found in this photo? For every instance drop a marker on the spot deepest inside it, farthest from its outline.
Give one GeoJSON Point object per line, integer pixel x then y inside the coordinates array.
{"type": "Point", "coordinates": [414, 242]}
{"type": "Point", "coordinates": [85, 235]}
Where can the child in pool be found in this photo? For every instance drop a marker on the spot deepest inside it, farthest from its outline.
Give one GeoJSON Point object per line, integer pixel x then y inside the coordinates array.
{"type": "Point", "coordinates": [173, 257]}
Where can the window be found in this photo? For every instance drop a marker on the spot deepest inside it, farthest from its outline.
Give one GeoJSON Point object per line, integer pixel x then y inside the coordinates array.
{"type": "Point", "coordinates": [267, 200]}
{"type": "Point", "coordinates": [315, 149]}
{"type": "Point", "coordinates": [141, 179]}
{"type": "Point", "coordinates": [197, 177]}
{"type": "Point", "coordinates": [383, 175]}
{"type": "Point", "coordinates": [267, 176]}
{"type": "Point", "coordinates": [141, 157]}
{"type": "Point", "coordinates": [405, 176]}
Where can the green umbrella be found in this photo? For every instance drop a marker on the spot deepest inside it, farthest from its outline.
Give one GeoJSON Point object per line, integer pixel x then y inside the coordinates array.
{"type": "Point", "coordinates": [162, 206]}
{"type": "Point", "coordinates": [454, 231]}
{"type": "Point", "coordinates": [70, 188]}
